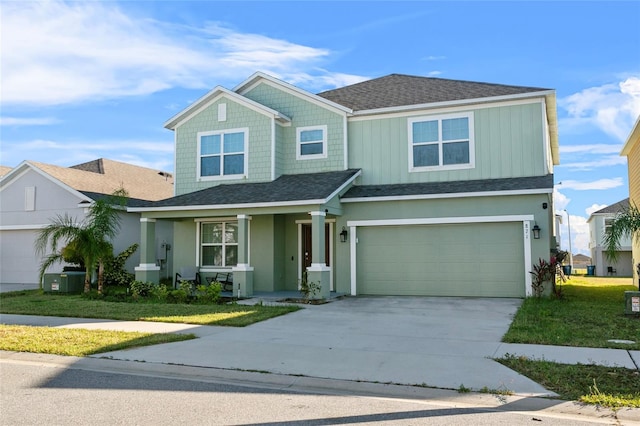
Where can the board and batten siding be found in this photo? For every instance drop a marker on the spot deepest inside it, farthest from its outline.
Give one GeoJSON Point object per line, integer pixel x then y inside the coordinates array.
{"type": "Point", "coordinates": [303, 113]}
{"type": "Point", "coordinates": [509, 142]}
{"type": "Point", "coordinates": [238, 117]}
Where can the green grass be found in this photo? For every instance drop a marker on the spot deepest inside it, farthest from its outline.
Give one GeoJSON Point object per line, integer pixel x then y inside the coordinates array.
{"type": "Point", "coordinates": [76, 341]}
{"type": "Point", "coordinates": [611, 387]}
{"type": "Point", "coordinates": [590, 314]}
{"type": "Point", "coordinates": [36, 303]}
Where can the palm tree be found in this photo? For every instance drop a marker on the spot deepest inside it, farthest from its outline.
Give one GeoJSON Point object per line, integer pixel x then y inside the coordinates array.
{"type": "Point", "coordinates": [87, 241]}
{"type": "Point", "coordinates": [626, 223]}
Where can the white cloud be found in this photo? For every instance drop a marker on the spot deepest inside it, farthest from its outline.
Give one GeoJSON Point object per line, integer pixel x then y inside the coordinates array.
{"type": "Point", "coordinates": [55, 53]}
{"type": "Point", "coordinates": [434, 73]}
{"type": "Point", "coordinates": [152, 154]}
{"type": "Point", "coordinates": [594, 208]}
{"type": "Point", "coordinates": [33, 121]}
{"type": "Point", "coordinates": [600, 184]}
{"type": "Point", "coordinates": [601, 148]}
{"type": "Point", "coordinates": [604, 161]}
{"type": "Point", "coordinates": [613, 108]}
{"type": "Point", "coordinates": [560, 201]}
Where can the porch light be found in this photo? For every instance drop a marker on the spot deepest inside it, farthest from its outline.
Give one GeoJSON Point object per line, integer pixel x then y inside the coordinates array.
{"type": "Point", "coordinates": [536, 232]}
{"type": "Point", "coordinates": [343, 235]}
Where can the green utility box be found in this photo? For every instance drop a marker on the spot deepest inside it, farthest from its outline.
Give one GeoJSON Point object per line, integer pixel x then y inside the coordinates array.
{"type": "Point", "coordinates": [66, 282]}
{"type": "Point", "coordinates": [632, 302]}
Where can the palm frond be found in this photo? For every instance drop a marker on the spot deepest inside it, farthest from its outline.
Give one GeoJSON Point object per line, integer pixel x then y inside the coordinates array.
{"type": "Point", "coordinates": [625, 224]}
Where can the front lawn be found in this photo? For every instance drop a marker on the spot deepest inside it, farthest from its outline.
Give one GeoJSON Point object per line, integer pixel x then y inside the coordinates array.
{"type": "Point", "coordinates": [36, 303]}
{"type": "Point", "coordinates": [590, 314]}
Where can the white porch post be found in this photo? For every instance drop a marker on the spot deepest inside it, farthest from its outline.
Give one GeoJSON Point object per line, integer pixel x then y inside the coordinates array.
{"type": "Point", "coordinates": [147, 270]}
{"type": "Point", "coordinates": [243, 272]}
{"type": "Point", "coordinates": [319, 272]}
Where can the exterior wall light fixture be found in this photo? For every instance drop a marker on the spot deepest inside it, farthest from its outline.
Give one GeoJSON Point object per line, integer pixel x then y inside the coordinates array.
{"type": "Point", "coordinates": [343, 235]}
{"type": "Point", "coordinates": [536, 232]}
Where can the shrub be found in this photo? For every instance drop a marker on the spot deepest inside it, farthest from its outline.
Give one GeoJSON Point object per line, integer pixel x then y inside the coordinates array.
{"type": "Point", "coordinates": [114, 272]}
{"type": "Point", "coordinates": [141, 289]}
{"type": "Point", "coordinates": [209, 293]}
{"type": "Point", "coordinates": [177, 296]}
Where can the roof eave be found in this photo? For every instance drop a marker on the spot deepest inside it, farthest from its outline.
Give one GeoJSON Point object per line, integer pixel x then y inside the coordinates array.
{"type": "Point", "coordinates": [251, 81]}
{"type": "Point", "coordinates": [174, 121]}
{"type": "Point", "coordinates": [632, 140]}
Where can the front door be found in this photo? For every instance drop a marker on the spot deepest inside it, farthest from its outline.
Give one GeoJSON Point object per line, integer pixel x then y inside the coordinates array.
{"type": "Point", "coordinates": [306, 254]}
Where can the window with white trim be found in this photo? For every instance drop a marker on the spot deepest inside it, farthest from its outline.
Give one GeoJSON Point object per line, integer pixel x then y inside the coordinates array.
{"type": "Point", "coordinates": [218, 244]}
{"type": "Point", "coordinates": [311, 142]}
{"type": "Point", "coordinates": [441, 142]}
{"type": "Point", "coordinates": [222, 154]}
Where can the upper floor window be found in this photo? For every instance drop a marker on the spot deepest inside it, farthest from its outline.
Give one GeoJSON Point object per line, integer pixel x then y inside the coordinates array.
{"type": "Point", "coordinates": [222, 154]}
{"type": "Point", "coordinates": [441, 142]}
{"type": "Point", "coordinates": [311, 142]}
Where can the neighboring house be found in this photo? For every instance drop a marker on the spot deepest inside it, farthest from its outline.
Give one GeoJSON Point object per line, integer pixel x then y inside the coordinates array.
{"type": "Point", "coordinates": [581, 261]}
{"type": "Point", "coordinates": [400, 185]}
{"type": "Point", "coordinates": [34, 193]}
{"type": "Point", "coordinates": [4, 170]}
{"type": "Point", "coordinates": [631, 150]}
{"type": "Point", "coordinates": [598, 223]}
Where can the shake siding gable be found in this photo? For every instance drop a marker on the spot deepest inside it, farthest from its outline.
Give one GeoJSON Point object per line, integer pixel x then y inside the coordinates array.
{"type": "Point", "coordinates": [238, 117]}
{"type": "Point", "coordinates": [509, 142]}
{"type": "Point", "coordinates": [303, 113]}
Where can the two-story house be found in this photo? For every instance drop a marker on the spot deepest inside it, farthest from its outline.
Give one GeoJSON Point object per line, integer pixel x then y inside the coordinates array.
{"type": "Point", "coordinates": [399, 185]}
{"type": "Point", "coordinates": [598, 223]}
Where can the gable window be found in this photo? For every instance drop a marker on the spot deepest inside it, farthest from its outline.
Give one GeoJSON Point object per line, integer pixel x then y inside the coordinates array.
{"type": "Point", "coordinates": [311, 142]}
{"type": "Point", "coordinates": [441, 142]}
{"type": "Point", "coordinates": [218, 244]}
{"type": "Point", "coordinates": [222, 154]}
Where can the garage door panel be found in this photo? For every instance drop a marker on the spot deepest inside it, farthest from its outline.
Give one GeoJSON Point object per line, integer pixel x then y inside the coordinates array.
{"type": "Point", "coordinates": [441, 260]}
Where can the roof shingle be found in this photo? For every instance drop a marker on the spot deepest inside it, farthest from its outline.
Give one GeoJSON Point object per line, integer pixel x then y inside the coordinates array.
{"type": "Point", "coordinates": [301, 187]}
{"type": "Point", "coordinates": [396, 90]}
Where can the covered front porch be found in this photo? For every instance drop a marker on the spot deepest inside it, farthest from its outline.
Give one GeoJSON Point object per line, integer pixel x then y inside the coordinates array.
{"type": "Point", "coordinates": [267, 235]}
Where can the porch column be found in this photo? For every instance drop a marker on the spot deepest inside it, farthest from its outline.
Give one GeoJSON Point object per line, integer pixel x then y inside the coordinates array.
{"type": "Point", "coordinates": [147, 270]}
{"type": "Point", "coordinates": [318, 272]}
{"type": "Point", "coordinates": [243, 272]}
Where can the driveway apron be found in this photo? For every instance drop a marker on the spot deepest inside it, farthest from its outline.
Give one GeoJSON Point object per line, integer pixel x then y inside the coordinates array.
{"type": "Point", "coordinates": [438, 342]}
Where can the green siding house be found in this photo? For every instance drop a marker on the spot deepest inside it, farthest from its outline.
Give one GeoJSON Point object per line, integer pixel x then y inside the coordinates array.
{"type": "Point", "coordinates": [400, 185]}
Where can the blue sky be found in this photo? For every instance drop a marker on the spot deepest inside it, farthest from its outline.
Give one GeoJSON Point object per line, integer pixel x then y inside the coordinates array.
{"type": "Point", "coordinates": [85, 80]}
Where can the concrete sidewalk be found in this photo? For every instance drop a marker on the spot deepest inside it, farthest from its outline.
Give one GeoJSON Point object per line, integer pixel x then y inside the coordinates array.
{"type": "Point", "coordinates": [437, 342]}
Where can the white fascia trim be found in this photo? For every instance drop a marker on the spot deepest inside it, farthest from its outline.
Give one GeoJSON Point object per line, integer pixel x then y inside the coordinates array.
{"type": "Point", "coordinates": [229, 206]}
{"type": "Point", "coordinates": [447, 107]}
{"type": "Point", "coordinates": [634, 137]}
{"type": "Point", "coordinates": [448, 195]}
{"type": "Point", "coordinates": [345, 130]}
{"type": "Point", "coordinates": [441, 220]}
{"type": "Point", "coordinates": [260, 77]}
{"type": "Point", "coordinates": [147, 219]}
{"type": "Point", "coordinates": [212, 97]}
{"type": "Point", "coordinates": [273, 149]}
{"type": "Point", "coordinates": [22, 227]}
{"type": "Point", "coordinates": [343, 186]}
{"type": "Point", "coordinates": [25, 166]}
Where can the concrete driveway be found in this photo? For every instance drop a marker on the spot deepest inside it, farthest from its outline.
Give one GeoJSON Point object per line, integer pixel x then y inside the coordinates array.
{"type": "Point", "coordinates": [437, 342]}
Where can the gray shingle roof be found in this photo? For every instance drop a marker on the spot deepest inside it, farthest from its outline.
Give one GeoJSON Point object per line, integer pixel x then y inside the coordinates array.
{"type": "Point", "coordinates": [301, 187]}
{"type": "Point", "coordinates": [400, 90]}
{"type": "Point", "coordinates": [433, 188]}
{"type": "Point", "coordinates": [615, 208]}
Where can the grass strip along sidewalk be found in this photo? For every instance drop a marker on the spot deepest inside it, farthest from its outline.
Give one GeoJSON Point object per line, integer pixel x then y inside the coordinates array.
{"type": "Point", "coordinates": [77, 341]}
{"type": "Point", "coordinates": [589, 315]}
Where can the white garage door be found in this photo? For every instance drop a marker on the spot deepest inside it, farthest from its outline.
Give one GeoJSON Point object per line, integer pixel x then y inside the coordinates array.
{"type": "Point", "coordinates": [485, 260]}
{"type": "Point", "coordinates": [18, 261]}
